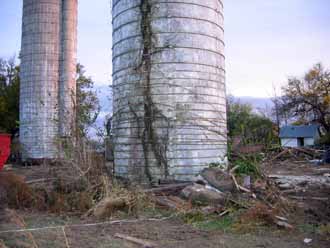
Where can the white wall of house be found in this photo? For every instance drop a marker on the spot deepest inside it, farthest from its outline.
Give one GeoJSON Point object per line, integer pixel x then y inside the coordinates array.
{"type": "Point", "coordinates": [293, 142]}
{"type": "Point", "coordinates": [289, 142]}
{"type": "Point", "coordinates": [309, 141]}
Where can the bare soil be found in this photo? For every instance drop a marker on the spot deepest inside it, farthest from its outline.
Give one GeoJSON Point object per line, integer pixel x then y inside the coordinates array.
{"type": "Point", "coordinates": [165, 233]}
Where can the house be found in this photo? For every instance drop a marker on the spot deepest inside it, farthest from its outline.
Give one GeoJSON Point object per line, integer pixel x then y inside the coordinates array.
{"type": "Point", "coordinates": [299, 136]}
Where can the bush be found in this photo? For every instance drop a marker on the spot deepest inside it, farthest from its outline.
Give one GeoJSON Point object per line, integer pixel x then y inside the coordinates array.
{"type": "Point", "coordinates": [248, 166]}
{"type": "Point", "coordinates": [249, 127]}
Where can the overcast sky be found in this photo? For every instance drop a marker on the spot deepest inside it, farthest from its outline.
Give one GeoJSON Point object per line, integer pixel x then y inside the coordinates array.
{"type": "Point", "coordinates": [266, 40]}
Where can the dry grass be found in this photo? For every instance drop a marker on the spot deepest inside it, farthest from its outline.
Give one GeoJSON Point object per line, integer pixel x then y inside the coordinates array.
{"type": "Point", "coordinates": [260, 214]}
{"type": "Point", "coordinates": [79, 184]}
{"type": "Point", "coordinates": [15, 193]}
{"type": "Point", "coordinates": [130, 201]}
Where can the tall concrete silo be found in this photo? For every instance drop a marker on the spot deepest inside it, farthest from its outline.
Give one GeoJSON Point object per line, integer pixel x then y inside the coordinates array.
{"type": "Point", "coordinates": [48, 55]}
{"type": "Point", "coordinates": [169, 88]}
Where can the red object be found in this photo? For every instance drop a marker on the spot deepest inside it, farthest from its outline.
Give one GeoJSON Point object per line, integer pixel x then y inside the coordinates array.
{"type": "Point", "coordinates": [4, 149]}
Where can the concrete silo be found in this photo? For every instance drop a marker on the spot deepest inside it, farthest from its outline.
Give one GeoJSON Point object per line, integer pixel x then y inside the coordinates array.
{"type": "Point", "coordinates": [48, 55]}
{"type": "Point", "coordinates": [169, 88]}
{"type": "Point", "coordinates": [68, 61]}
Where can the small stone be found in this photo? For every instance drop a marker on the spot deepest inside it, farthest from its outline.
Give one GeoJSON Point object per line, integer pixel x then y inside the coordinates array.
{"type": "Point", "coordinates": [307, 241]}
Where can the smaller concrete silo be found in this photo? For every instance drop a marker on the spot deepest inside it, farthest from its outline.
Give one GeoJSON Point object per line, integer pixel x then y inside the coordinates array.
{"type": "Point", "coordinates": [40, 53]}
{"type": "Point", "coordinates": [48, 60]}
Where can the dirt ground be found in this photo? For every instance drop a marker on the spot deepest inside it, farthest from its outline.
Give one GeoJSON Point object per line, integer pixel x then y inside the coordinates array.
{"type": "Point", "coordinates": [165, 233]}
{"type": "Point", "coordinates": [163, 229]}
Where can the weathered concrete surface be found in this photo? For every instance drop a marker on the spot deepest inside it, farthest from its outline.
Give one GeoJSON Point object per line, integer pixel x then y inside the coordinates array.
{"type": "Point", "coordinates": [48, 58]}
{"type": "Point", "coordinates": [169, 87]}
{"type": "Point", "coordinates": [68, 61]}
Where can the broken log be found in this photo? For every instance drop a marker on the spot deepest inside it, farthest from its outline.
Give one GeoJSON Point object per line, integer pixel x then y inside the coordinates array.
{"type": "Point", "coordinates": [218, 179]}
{"type": "Point", "coordinates": [202, 195]}
{"type": "Point", "coordinates": [108, 206]}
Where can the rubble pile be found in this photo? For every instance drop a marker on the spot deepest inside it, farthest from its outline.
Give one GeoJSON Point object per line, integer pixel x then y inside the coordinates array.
{"type": "Point", "coordinates": [283, 179]}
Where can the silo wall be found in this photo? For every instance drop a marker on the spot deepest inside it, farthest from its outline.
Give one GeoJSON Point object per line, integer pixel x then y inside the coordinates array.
{"type": "Point", "coordinates": [169, 88]}
{"type": "Point", "coordinates": [48, 53]}
{"type": "Point", "coordinates": [68, 61]}
{"type": "Point", "coordinates": [40, 53]}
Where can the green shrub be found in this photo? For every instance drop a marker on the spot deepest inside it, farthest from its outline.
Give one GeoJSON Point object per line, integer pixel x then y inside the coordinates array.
{"type": "Point", "coordinates": [248, 166]}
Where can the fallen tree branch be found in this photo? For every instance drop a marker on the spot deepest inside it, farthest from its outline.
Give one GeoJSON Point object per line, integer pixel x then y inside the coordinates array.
{"type": "Point", "coordinates": [232, 170]}
{"type": "Point", "coordinates": [239, 187]}
{"type": "Point", "coordinates": [235, 182]}
{"type": "Point", "coordinates": [224, 213]}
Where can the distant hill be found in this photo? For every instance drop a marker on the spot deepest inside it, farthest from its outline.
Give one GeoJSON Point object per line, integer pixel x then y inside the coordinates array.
{"type": "Point", "coordinates": [260, 105]}
{"type": "Point", "coordinates": [256, 102]}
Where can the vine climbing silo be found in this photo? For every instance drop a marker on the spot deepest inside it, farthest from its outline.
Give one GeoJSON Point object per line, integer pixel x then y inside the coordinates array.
{"type": "Point", "coordinates": [48, 58]}
{"type": "Point", "coordinates": [169, 88]}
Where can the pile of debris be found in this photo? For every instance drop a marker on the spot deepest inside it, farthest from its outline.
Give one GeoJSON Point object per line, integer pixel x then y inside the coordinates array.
{"type": "Point", "coordinates": [303, 175]}
{"type": "Point", "coordinates": [218, 192]}
{"type": "Point", "coordinates": [264, 195]}
{"type": "Point", "coordinates": [299, 153]}
{"type": "Point", "coordinates": [299, 169]}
